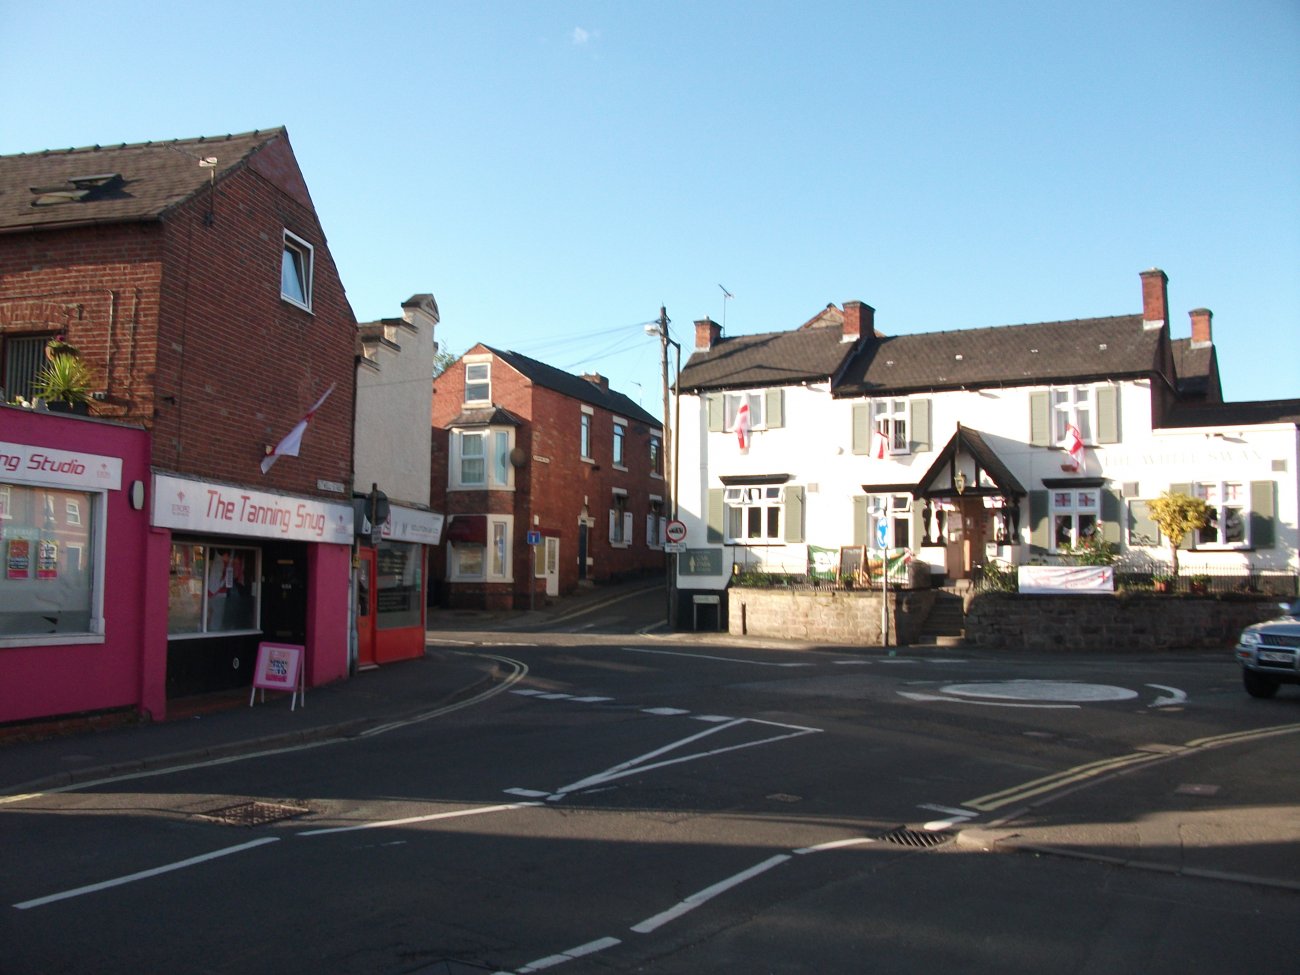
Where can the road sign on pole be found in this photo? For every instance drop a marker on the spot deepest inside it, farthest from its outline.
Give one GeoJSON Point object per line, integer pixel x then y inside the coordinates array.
{"type": "Point", "coordinates": [675, 531]}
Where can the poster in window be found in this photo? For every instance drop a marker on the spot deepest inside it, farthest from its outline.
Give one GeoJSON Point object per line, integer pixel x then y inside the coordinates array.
{"type": "Point", "coordinates": [18, 559]}
{"type": "Point", "coordinates": [47, 560]}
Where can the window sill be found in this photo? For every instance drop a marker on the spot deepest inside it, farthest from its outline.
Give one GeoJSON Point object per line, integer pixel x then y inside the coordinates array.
{"type": "Point", "coordinates": [755, 543]}
{"type": "Point", "coordinates": [51, 639]}
{"type": "Point", "coordinates": [620, 544]}
{"type": "Point", "coordinates": [619, 467]}
{"type": "Point", "coordinates": [297, 304]}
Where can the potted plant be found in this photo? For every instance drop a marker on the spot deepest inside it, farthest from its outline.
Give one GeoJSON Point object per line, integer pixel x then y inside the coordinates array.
{"type": "Point", "coordinates": [1199, 584]}
{"type": "Point", "coordinates": [64, 384]}
{"type": "Point", "coordinates": [1162, 582]}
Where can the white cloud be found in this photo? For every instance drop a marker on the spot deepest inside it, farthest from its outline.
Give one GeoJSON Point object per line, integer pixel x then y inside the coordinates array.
{"type": "Point", "coordinates": [580, 36]}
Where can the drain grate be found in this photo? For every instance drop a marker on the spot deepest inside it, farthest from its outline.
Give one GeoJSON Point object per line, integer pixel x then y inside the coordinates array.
{"type": "Point", "coordinates": [256, 813]}
{"type": "Point", "coordinates": [918, 838]}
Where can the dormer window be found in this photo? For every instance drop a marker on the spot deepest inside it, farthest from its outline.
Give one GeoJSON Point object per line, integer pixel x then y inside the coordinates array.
{"type": "Point", "coordinates": [478, 382]}
{"type": "Point", "coordinates": [295, 271]}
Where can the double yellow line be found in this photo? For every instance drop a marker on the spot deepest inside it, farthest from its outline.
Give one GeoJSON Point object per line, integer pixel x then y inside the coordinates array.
{"type": "Point", "coordinates": [1093, 770]}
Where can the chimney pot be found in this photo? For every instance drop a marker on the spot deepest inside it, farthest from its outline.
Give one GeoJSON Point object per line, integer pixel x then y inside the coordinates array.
{"type": "Point", "coordinates": [707, 333]}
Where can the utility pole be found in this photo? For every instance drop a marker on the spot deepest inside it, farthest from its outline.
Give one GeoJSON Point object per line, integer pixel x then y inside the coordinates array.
{"type": "Point", "coordinates": [670, 458]}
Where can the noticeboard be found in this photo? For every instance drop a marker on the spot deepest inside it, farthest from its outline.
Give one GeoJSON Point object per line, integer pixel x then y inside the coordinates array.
{"type": "Point", "coordinates": [279, 668]}
{"type": "Point", "coordinates": [700, 562]}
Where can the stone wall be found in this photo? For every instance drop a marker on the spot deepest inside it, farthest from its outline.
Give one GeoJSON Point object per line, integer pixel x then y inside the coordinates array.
{"type": "Point", "coordinates": [1007, 621]}
{"type": "Point", "coordinates": [830, 616]}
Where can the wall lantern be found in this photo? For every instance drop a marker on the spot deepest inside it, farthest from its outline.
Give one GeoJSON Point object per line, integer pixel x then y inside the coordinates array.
{"type": "Point", "coordinates": [959, 482]}
{"type": "Point", "coordinates": [137, 495]}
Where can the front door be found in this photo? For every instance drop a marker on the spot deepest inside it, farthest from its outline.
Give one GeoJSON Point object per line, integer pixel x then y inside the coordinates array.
{"type": "Point", "coordinates": [551, 564]}
{"type": "Point", "coordinates": [582, 550]}
{"type": "Point", "coordinates": [284, 593]}
{"type": "Point", "coordinates": [366, 609]}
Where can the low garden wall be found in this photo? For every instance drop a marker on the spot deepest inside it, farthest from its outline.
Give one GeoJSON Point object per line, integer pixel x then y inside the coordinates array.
{"type": "Point", "coordinates": [834, 616]}
{"type": "Point", "coordinates": [1122, 622]}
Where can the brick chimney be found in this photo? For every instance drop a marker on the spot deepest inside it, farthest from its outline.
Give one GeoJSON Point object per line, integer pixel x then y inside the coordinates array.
{"type": "Point", "coordinates": [707, 333]}
{"type": "Point", "coordinates": [1155, 298]}
{"type": "Point", "coordinates": [859, 320]}
{"type": "Point", "coordinates": [596, 379]}
{"type": "Point", "coordinates": [1201, 335]}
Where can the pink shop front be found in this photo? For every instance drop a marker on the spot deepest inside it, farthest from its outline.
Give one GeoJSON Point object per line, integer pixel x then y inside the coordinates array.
{"type": "Point", "coordinates": [75, 622]}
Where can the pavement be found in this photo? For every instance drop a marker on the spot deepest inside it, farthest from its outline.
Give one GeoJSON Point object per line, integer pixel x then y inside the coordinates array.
{"type": "Point", "coordinates": [1198, 818]}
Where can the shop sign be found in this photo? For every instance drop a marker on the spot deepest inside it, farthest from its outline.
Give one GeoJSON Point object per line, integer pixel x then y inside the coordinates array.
{"type": "Point", "coordinates": [202, 506]}
{"type": "Point", "coordinates": [25, 464]}
{"type": "Point", "coordinates": [412, 525]}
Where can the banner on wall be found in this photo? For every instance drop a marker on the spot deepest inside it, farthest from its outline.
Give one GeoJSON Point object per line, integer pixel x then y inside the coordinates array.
{"type": "Point", "coordinates": [1066, 579]}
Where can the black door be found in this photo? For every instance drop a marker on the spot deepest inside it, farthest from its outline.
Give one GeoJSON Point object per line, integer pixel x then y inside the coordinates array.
{"type": "Point", "coordinates": [284, 593]}
{"type": "Point", "coordinates": [582, 550]}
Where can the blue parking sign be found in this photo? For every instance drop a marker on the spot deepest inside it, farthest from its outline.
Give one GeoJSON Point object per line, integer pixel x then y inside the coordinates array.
{"type": "Point", "coordinates": [882, 530]}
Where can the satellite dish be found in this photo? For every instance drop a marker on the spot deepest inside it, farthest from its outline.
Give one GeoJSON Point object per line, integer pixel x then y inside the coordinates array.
{"type": "Point", "coordinates": [518, 457]}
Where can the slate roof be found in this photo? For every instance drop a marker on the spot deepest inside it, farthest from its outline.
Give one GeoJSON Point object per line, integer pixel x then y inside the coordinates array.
{"type": "Point", "coordinates": [492, 416]}
{"type": "Point", "coordinates": [1195, 366]}
{"type": "Point", "coordinates": [115, 184]}
{"type": "Point", "coordinates": [809, 354]}
{"type": "Point", "coordinates": [1071, 351]}
{"type": "Point", "coordinates": [1235, 414]}
{"type": "Point", "coordinates": [575, 387]}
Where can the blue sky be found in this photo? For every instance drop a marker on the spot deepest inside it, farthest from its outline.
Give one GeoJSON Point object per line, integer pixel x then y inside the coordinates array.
{"type": "Point", "coordinates": [553, 172]}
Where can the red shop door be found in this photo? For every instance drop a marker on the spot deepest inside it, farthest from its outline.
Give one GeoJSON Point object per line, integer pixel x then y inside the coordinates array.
{"type": "Point", "coordinates": [366, 609]}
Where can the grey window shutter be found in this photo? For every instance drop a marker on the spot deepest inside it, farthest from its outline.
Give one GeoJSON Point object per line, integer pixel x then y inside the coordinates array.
{"type": "Point", "coordinates": [793, 514]}
{"type": "Point", "coordinates": [1190, 538]}
{"type": "Point", "coordinates": [920, 425]}
{"type": "Point", "coordinates": [1112, 510]}
{"type": "Point", "coordinates": [1107, 414]}
{"type": "Point", "coordinates": [774, 409]}
{"type": "Point", "coordinates": [860, 520]}
{"type": "Point", "coordinates": [716, 514]}
{"type": "Point", "coordinates": [1142, 531]}
{"type": "Point", "coordinates": [861, 428]}
{"type": "Point", "coordinates": [1040, 420]}
{"type": "Point", "coordinates": [1040, 531]}
{"type": "Point", "coordinates": [715, 412]}
{"type": "Point", "coordinates": [1263, 507]}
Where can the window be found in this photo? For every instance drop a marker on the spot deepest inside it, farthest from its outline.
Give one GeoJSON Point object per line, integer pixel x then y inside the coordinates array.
{"type": "Point", "coordinates": [478, 382]}
{"type": "Point", "coordinates": [655, 523]}
{"type": "Point", "coordinates": [620, 520]}
{"type": "Point", "coordinates": [397, 585]}
{"type": "Point", "coordinates": [485, 557]}
{"type": "Point", "coordinates": [498, 556]}
{"type": "Point", "coordinates": [620, 442]}
{"type": "Point", "coordinates": [731, 404]}
{"type": "Point", "coordinates": [656, 456]}
{"type": "Point", "coordinates": [890, 417]}
{"type": "Point", "coordinates": [754, 513]}
{"type": "Point", "coordinates": [1075, 516]}
{"type": "Point", "coordinates": [48, 582]}
{"type": "Point", "coordinates": [466, 561]}
{"type": "Point", "coordinates": [481, 459]}
{"type": "Point", "coordinates": [1229, 514]}
{"type": "Point", "coordinates": [24, 358]}
{"type": "Point", "coordinates": [212, 589]}
{"type": "Point", "coordinates": [1072, 405]}
{"type": "Point", "coordinates": [584, 444]}
{"type": "Point", "coordinates": [295, 271]}
{"type": "Point", "coordinates": [896, 511]}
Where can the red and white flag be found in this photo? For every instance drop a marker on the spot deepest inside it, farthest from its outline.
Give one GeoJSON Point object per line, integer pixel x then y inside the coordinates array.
{"type": "Point", "coordinates": [1073, 444]}
{"type": "Point", "coordinates": [880, 442]}
{"type": "Point", "coordinates": [288, 447]}
{"type": "Point", "coordinates": [742, 426]}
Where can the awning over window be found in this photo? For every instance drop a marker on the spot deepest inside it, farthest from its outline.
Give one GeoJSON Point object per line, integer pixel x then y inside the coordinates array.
{"type": "Point", "coordinates": [468, 530]}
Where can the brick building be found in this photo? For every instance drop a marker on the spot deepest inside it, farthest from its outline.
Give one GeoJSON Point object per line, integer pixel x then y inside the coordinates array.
{"type": "Point", "coordinates": [524, 447]}
{"type": "Point", "coordinates": [194, 280]}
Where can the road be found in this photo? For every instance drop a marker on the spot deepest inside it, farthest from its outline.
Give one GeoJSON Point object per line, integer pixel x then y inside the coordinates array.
{"type": "Point", "coordinates": [630, 803]}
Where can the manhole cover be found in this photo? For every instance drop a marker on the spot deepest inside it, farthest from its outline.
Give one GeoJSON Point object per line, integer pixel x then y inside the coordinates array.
{"type": "Point", "coordinates": [256, 813]}
{"type": "Point", "coordinates": [921, 838]}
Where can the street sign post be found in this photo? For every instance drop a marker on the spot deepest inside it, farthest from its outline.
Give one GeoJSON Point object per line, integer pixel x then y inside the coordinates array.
{"type": "Point", "coordinates": [675, 531]}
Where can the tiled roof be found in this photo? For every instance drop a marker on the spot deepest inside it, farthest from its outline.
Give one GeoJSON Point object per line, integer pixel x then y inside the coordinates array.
{"type": "Point", "coordinates": [771, 359]}
{"type": "Point", "coordinates": [1235, 414]}
{"type": "Point", "coordinates": [112, 184]}
{"type": "Point", "coordinates": [1194, 365]}
{"type": "Point", "coordinates": [575, 387]}
{"type": "Point", "coordinates": [1091, 348]}
{"type": "Point", "coordinates": [491, 416]}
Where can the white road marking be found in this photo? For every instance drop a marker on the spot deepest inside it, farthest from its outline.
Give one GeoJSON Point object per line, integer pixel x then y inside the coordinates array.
{"type": "Point", "coordinates": [1175, 697]}
{"type": "Point", "coordinates": [836, 845]}
{"type": "Point", "coordinates": [707, 894]}
{"type": "Point", "coordinates": [705, 656]}
{"type": "Point", "coordinates": [384, 823]}
{"type": "Point", "coordinates": [715, 718]}
{"type": "Point", "coordinates": [664, 712]}
{"type": "Point", "coordinates": [526, 793]}
{"type": "Point", "coordinates": [1041, 690]}
{"type": "Point", "coordinates": [590, 948]}
{"type": "Point", "coordinates": [910, 695]}
{"type": "Point", "coordinates": [144, 874]}
{"type": "Point", "coordinates": [593, 699]}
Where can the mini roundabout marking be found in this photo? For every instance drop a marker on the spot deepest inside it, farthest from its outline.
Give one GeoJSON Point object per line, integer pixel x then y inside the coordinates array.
{"type": "Point", "coordinates": [1059, 694]}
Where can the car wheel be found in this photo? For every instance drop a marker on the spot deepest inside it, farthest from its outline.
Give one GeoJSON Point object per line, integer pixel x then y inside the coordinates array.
{"type": "Point", "coordinates": [1257, 685]}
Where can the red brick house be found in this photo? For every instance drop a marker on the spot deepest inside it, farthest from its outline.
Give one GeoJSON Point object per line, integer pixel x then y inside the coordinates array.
{"type": "Point", "coordinates": [194, 278]}
{"type": "Point", "coordinates": [521, 447]}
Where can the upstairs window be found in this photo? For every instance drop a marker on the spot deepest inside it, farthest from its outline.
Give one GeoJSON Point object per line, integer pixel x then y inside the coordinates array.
{"type": "Point", "coordinates": [889, 416]}
{"type": "Point", "coordinates": [656, 455]}
{"type": "Point", "coordinates": [24, 358]}
{"type": "Point", "coordinates": [296, 271]}
{"type": "Point", "coordinates": [478, 382]}
{"type": "Point", "coordinates": [584, 442]}
{"type": "Point", "coordinates": [620, 442]}
{"type": "Point", "coordinates": [731, 404]}
{"type": "Point", "coordinates": [1072, 405]}
{"type": "Point", "coordinates": [481, 459]}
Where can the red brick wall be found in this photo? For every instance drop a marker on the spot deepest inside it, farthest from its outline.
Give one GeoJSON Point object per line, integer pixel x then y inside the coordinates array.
{"type": "Point", "coordinates": [183, 324]}
{"type": "Point", "coordinates": [555, 484]}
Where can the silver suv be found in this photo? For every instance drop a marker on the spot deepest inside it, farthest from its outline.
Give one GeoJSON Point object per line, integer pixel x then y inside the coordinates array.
{"type": "Point", "coordinates": [1270, 653]}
